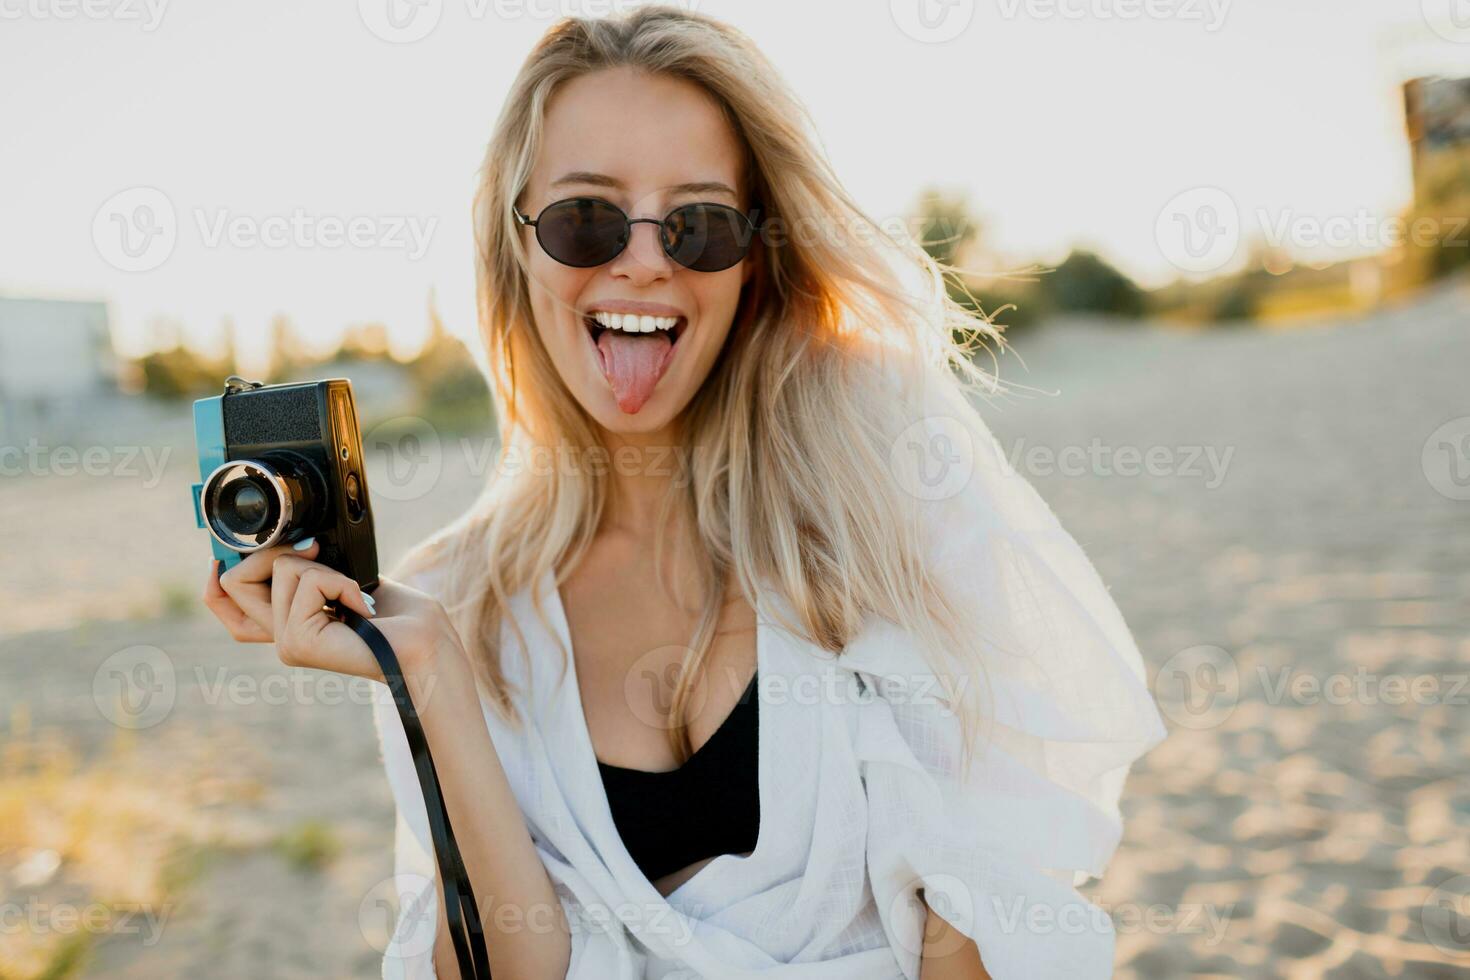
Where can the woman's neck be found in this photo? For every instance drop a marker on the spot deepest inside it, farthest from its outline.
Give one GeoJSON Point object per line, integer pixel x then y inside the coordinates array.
{"type": "Point", "coordinates": [642, 467]}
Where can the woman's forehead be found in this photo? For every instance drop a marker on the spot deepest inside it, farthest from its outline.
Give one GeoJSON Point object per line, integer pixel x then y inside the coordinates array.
{"type": "Point", "coordinates": [637, 135]}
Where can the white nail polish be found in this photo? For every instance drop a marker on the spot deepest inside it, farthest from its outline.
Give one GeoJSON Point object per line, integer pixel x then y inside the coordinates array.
{"type": "Point", "coordinates": [303, 544]}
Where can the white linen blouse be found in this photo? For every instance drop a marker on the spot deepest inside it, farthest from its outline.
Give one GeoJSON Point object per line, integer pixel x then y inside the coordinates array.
{"type": "Point", "coordinates": [862, 801]}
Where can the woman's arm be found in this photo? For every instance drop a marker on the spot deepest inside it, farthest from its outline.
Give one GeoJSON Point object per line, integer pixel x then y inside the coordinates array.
{"type": "Point", "coordinates": [948, 953]}
{"type": "Point", "coordinates": [526, 933]}
{"type": "Point", "coordinates": [277, 595]}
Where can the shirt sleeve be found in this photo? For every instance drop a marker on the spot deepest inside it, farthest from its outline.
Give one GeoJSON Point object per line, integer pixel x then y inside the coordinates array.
{"type": "Point", "coordinates": [408, 950]}
{"type": "Point", "coordinates": [999, 850]}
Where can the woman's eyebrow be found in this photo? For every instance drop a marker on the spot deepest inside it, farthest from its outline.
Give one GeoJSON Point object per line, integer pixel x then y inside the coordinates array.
{"type": "Point", "coordinates": [603, 180]}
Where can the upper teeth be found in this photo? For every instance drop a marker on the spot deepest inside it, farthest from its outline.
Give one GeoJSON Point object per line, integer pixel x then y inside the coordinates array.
{"type": "Point", "coordinates": [633, 323]}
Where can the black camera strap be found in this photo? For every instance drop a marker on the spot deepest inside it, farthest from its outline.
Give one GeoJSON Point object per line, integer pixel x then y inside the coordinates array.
{"type": "Point", "coordinates": [460, 910]}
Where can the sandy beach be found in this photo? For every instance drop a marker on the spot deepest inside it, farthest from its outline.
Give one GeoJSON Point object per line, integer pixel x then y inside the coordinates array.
{"type": "Point", "coordinates": [1278, 514]}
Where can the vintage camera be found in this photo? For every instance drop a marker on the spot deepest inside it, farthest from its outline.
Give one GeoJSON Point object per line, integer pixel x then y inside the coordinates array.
{"type": "Point", "coordinates": [281, 463]}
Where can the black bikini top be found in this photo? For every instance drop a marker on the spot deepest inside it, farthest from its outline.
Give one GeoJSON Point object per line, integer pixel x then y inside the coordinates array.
{"type": "Point", "coordinates": [708, 806]}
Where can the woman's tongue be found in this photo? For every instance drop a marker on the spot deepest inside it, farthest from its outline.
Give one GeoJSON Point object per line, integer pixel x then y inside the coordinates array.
{"type": "Point", "coordinates": [633, 363]}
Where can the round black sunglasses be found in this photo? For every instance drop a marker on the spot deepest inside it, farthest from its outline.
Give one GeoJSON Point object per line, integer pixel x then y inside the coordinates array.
{"type": "Point", "coordinates": [586, 231]}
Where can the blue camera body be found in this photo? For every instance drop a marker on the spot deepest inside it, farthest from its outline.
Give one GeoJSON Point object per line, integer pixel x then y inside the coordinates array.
{"type": "Point", "coordinates": [209, 439]}
{"type": "Point", "coordinates": [280, 463]}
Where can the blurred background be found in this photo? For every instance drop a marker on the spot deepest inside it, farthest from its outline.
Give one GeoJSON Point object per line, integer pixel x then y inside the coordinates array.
{"type": "Point", "coordinates": [1229, 241]}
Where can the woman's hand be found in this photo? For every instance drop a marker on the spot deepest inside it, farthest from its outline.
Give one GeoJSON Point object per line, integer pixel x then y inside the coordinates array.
{"type": "Point", "coordinates": [277, 595]}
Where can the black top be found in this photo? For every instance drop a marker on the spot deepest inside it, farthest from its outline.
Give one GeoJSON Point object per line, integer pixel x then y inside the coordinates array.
{"type": "Point", "coordinates": [710, 805]}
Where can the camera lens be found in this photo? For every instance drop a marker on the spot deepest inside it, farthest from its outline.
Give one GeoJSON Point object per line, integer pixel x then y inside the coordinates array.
{"type": "Point", "coordinates": [244, 507]}
{"type": "Point", "coordinates": [251, 504]}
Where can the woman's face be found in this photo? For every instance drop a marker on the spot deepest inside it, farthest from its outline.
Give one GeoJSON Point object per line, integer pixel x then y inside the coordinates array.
{"type": "Point", "coordinates": [646, 143]}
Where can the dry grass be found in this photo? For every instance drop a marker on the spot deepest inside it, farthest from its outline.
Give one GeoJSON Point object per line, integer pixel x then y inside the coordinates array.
{"type": "Point", "coordinates": [103, 844]}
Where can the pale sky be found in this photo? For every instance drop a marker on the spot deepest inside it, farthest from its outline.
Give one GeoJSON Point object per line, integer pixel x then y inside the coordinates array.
{"type": "Point", "coordinates": [1067, 122]}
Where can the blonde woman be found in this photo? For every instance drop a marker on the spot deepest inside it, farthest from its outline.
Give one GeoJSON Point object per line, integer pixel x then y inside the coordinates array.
{"type": "Point", "coordinates": [754, 658]}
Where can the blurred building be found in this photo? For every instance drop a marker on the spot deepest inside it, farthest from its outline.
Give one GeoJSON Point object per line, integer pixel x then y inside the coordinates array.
{"type": "Point", "coordinates": [56, 360]}
{"type": "Point", "coordinates": [1437, 111]}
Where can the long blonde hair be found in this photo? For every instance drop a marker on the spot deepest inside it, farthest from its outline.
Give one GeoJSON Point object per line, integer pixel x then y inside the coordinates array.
{"type": "Point", "coordinates": [790, 477]}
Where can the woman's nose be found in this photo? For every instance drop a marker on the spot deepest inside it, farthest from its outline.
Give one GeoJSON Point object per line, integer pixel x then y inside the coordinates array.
{"type": "Point", "coordinates": [643, 258]}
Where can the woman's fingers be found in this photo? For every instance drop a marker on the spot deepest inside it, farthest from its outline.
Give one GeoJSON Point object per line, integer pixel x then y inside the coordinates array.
{"type": "Point", "coordinates": [241, 627]}
{"type": "Point", "coordinates": [248, 583]}
{"type": "Point", "coordinates": [306, 634]}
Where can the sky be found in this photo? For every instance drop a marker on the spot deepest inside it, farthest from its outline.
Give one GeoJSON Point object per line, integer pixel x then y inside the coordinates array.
{"type": "Point", "coordinates": [203, 161]}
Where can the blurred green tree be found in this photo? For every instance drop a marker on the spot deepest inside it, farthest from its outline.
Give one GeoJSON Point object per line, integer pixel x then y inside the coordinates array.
{"type": "Point", "coordinates": [1085, 282]}
{"type": "Point", "coordinates": [953, 237]}
{"type": "Point", "coordinates": [451, 389]}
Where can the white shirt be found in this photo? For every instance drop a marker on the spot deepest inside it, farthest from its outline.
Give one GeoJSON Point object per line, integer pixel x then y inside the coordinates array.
{"type": "Point", "coordinates": [861, 798]}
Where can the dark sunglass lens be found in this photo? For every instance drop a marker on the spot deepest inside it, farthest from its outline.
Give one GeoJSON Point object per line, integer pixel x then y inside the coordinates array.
{"type": "Point", "coordinates": [707, 237]}
{"type": "Point", "coordinates": [582, 232]}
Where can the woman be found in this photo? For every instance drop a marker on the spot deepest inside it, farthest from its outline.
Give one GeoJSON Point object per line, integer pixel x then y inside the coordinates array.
{"type": "Point", "coordinates": [754, 656]}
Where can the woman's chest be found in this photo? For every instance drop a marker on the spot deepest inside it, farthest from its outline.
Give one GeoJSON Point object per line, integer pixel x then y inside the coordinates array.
{"type": "Point", "coordinates": [631, 641]}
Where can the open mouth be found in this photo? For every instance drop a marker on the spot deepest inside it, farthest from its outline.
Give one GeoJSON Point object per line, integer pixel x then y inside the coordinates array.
{"type": "Point", "coordinates": [633, 352]}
